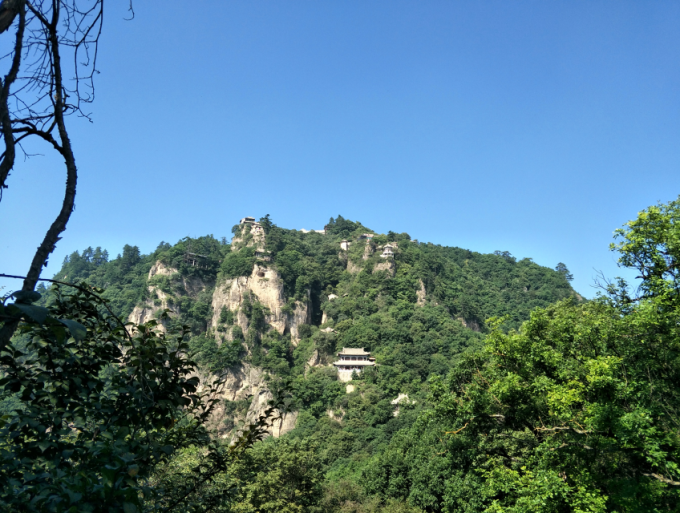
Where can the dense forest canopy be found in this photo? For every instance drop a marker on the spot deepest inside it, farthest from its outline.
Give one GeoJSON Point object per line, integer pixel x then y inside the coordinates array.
{"type": "Point", "coordinates": [471, 285]}
{"type": "Point", "coordinates": [200, 377]}
{"type": "Point", "coordinates": [418, 312]}
{"type": "Point", "coordinates": [497, 387]}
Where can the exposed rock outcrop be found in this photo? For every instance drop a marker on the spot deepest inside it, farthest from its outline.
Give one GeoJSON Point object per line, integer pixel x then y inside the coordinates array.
{"type": "Point", "coordinates": [420, 294]}
{"type": "Point", "coordinates": [401, 399]}
{"type": "Point", "coordinates": [353, 268]}
{"type": "Point", "coordinates": [265, 285]}
{"type": "Point", "coordinates": [158, 300]}
{"type": "Point", "coordinates": [388, 265]}
{"type": "Point", "coordinates": [368, 251]}
{"type": "Point", "coordinates": [314, 359]}
{"type": "Point", "coordinates": [473, 325]}
{"type": "Point", "coordinates": [161, 300]}
{"type": "Point", "coordinates": [337, 415]}
{"type": "Point", "coordinates": [279, 426]}
{"type": "Point", "coordinates": [250, 236]}
{"type": "Point", "coordinates": [245, 383]}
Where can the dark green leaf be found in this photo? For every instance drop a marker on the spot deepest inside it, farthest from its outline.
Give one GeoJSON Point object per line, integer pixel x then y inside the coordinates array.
{"type": "Point", "coordinates": [77, 330]}
{"type": "Point", "coordinates": [37, 313]}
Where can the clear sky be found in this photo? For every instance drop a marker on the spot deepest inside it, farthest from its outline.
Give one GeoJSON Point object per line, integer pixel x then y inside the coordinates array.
{"type": "Point", "coordinates": [532, 127]}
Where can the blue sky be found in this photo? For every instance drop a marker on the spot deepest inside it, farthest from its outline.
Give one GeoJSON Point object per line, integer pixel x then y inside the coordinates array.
{"type": "Point", "coordinates": [532, 127]}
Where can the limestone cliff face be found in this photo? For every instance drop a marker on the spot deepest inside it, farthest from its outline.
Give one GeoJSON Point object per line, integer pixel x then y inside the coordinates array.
{"type": "Point", "coordinates": [388, 265]}
{"type": "Point", "coordinates": [266, 285]}
{"type": "Point", "coordinates": [473, 325]}
{"type": "Point", "coordinates": [250, 236]}
{"type": "Point", "coordinates": [279, 426]}
{"type": "Point", "coordinates": [245, 383]}
{"type": "Point", "coordinates": [420, 293]}
{"type": "Point", "coordinates": [353, 268]}
{"type": "Point", "coordinates": [160, 300]}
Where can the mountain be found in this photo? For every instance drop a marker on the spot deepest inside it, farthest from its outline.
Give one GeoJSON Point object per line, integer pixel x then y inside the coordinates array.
{"type": "Point", "coordinates": [269, 310]}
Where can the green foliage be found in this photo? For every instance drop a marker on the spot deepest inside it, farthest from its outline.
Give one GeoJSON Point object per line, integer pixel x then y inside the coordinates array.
{"type": "Point", "coordinates": [562, 269]}
{"type": "Point", "coordinates": [345, 496]}
{"type": "Point", "coordinates": [576, 411]}
{"type": "Point", "coordinates": [124, 279]}
{"type": "Point", "coordinates": [344, 228]}
{"type": "Point", "coordinates": [469, 285]}
{"type": "Point", "coordinates": [237, 333]}
{"type": "Point", "coordinates": [305, 331]}
{"type": "Point", "coordinates": [272, 352]}
{"type": "Point", "coordinates": [257, 316]}
{"type": "Point", "coordinates": [194, 311]}
{"type": "Point", "coordinates": [238, 263]}
{"type": "Point", "coordinates": [97, 410]}
{"type": "Point", "coordinates": [206, 251]}
{"type": "Point", "coordinates": [280, 476]}
{"type": "Point", "coordinates": [226, 316]}
{"type": "Point", "coordinates": [266, 223]}
{"type": "Point", "coordinates": [213, 356]}
{"type": "Point", "coordinates": [651, 245]}
{"type": "Point", "coordinates": [414, 336]}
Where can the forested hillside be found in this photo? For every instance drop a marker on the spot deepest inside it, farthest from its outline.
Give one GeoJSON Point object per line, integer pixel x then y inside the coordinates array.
{"type": "Point", "coordinates": [300, 298]}
{"type": "Point", "coordinates": [495, 386]}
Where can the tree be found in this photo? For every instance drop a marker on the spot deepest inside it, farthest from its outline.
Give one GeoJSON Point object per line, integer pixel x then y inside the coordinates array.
{"type": "Point", "coordinates": [131, 257]}
{"type": "Point", "coordinates": [279, 476]}
{"type": "Point", "coordinates": [266, 223]}
{"type": "Point", "coordinates": [576, 411]}
{"type": "Point", "coordinates": [562, 269]}
{"type": "Point", "coordinates": [99, 408]}
{"type": "Point", "coordinates": [651, 245]}
{"type": "Point", "coordinates": [50, 72]}
{"type": "Point", "coordinates": [505, 254]}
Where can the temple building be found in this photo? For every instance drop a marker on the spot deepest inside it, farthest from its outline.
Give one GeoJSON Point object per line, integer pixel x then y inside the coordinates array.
{"type": "Point", "coordinates": [352, 359]}
{"type": "Point", "coordinates": [387, 251]}
{"type": "Point", "coordinates": [196, 260]}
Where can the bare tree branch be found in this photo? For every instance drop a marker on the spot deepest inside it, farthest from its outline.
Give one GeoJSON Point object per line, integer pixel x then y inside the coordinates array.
{"type": "Point", "coordinates": [35, 97]}
{"type": "Point", "coordinates": [9, 154]}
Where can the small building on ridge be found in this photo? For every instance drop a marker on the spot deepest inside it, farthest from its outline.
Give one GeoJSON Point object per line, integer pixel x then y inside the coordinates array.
{"type": "Point", "coordinates": [352, 359]}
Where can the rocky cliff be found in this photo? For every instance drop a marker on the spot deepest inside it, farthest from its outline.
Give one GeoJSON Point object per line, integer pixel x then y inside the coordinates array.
{"type": "Point", "coordinates": [164, 283]}
{"type": "Point", "coordinates": [264, 285]}
{"type": "Point", "coordinates": [244, 385]}
{"type": "Point", "coordinates": [158, 299]}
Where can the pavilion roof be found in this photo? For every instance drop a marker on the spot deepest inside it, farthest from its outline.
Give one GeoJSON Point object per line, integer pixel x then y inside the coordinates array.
{"type": "Point", "coordinates": [353, 351]}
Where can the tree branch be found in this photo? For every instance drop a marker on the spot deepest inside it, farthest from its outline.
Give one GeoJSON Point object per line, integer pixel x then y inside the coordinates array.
{"type": "Point", "coordinates": [8, 11]}
{"type": "Point", "coordinates": [659, 477]}
{"type": "Point", "coordinates": [9, 154]}
{"type": "Point", "coordinates": [100, 299]}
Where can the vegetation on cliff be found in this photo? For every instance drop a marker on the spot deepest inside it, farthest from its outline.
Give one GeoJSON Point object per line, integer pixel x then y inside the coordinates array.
{"type": "Point", "coordinates": [497, 387]}
{"type": "Point", "coordinates": [575, 411]}
{"type": "Point", "coordinates": [418, 312]}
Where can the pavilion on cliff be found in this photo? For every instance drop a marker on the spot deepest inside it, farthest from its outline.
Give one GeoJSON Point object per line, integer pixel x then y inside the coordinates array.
{"type": "Point", "coordinates": [352, 359]}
